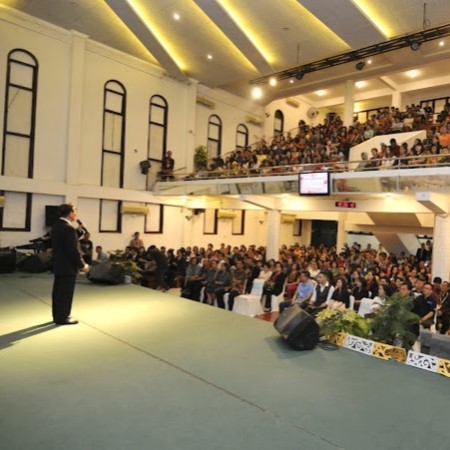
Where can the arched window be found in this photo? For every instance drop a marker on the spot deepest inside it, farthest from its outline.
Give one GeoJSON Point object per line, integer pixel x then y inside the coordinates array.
{"type": "Point", "coordinates": [241, 136]}
{"type": "Point", "coordinates": [214, 136]}
{"type": "Point", "coordinates": [157, 128]}
{"type": "Point", "coordinates": [20, 114]}
{"type": "Point", "coordinates": [278, 125]}
{"type": "Point", "coordinates": [113, 150]}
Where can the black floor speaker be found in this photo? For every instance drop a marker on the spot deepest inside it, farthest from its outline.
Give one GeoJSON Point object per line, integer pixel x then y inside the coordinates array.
{"type": "Point", "coordinates": [7, 260]}
{"type": "Point", "coordinates": [298, 328]}
{"type": "Point", "coordinates": [106, 273]}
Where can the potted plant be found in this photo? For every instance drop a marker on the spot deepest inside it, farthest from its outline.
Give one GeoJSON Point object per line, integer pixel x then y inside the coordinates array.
{"type": "Point", "coordinates": [333, 321]}
{"type": "Point", "coordinates": [131, 269]}
{"type": "Point", "coordinates": [394, 323]}
{"type": "Point", "coordinates": [200, 158]}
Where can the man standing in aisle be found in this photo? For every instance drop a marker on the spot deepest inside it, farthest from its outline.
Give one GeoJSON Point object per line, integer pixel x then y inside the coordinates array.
{"type": "Point", "coordinates": [67, 261]}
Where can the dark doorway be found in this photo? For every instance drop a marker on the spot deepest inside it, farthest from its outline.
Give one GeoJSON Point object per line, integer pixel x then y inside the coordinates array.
{"type": "Point", "coordinates": [324, 232]}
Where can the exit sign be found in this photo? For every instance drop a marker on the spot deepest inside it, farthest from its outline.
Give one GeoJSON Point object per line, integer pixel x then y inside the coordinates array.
{"type": "Point", "coordinates": [345, 204]}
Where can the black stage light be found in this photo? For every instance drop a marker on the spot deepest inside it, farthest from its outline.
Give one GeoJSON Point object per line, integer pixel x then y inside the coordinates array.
{"type": "Point", "coordinates": [415, 46]}
{"type": "Point", "coordinates": [299, 75]}
{"type": "Point", "coordinates": [360, 65]}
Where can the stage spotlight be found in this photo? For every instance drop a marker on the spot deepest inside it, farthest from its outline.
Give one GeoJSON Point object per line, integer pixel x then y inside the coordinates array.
{"type": "Point", "coordinates": [415, 46]}
{"type": "Point", "coordinates": [360, 65]}
{"type": "Point", "coordinates": [299, 75]}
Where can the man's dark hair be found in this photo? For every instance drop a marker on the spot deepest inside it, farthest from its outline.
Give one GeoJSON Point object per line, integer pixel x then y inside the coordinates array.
{"type": "Point", "coordinates": [306, 273]}
{"type": "Point", "coordinates": [65, 209]}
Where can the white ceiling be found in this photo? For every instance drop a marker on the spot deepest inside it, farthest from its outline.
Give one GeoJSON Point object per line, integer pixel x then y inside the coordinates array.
{"type": "Point", "coordinates": [253, 38]}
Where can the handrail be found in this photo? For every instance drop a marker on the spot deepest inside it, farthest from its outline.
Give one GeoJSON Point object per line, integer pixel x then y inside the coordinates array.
{"type": "Point", "coordinates": [332, 167]}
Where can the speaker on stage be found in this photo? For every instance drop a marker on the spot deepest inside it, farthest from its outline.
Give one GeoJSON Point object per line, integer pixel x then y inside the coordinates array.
{"type": "Point", "coordinates": [298, 328]}
{"type": "Point", "coordinates": [7, 260]}
{"type": "Point", "coordinates": [51, 215]}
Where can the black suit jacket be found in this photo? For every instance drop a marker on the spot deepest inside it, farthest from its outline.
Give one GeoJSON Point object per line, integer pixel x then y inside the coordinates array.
{"type": "Point", "coordinates": [67, 259]}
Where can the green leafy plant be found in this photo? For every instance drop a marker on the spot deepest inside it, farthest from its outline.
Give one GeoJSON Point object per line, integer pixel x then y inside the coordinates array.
{"type": "Point", "coordinates": [332, 321]}
{"type": "Point", "coordinates": [200, 157]}
{"type": "Point", "coordinates": [394, 322]}
{"type": "Point", "coordinates": [129, 266]}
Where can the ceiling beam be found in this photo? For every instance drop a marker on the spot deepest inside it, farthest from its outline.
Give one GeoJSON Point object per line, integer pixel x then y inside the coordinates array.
{"type": "Point", "coordinates": [362, 33]}
{"type": "Point", "coordinates": [221, 19]}
{"type": "Point", "coordinates": [150, 41]}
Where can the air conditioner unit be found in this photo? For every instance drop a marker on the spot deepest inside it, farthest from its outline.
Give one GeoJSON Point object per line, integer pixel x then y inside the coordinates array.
{"type": "Point", "coordinates": [205, 102]}
{"type": "Point", "coordinates": [225, 214]}
{"type": "Point", "coordinates": [131, 208]}
{"type": "Point", "coordinates": [2, 201]}
{"type": "Point", "coordinates": [288, 218]}
{"type": "Point", "coordinates": [292, 101]}
{"type": "Point", "coordinates": [254, 120]}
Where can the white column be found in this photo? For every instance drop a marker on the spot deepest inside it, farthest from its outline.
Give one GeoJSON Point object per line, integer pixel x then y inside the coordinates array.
{"type": "Point", "coordinates": [75, 109]}
{"type": "Point", "coordinates": [273, 234]}
{"type": "Point", "coordinates": [184, 157]}
{"type": "Point", "coordinates": [441, 247]}
{"type": "Point", "coordinates": [396, 99]}
{"type": "Point", "coordinates": [348, 103]}
{"type": "Point", "coordinates": [341, 233]}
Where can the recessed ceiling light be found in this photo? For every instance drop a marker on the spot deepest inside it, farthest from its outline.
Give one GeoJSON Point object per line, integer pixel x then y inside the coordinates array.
{"type": "Point", "coordinates": [273, 81]}
{"type": "Point", "coordinates": [209, 56]}
{"type": "Point", "coordinates": [292, 81]}
{"type": "Point", "coordinates": [257, 92]}
{"type": "Point", "coordinates": [369, 61]}
{"type": "Point", "coordinates": [441, 43]}
{"type": "Point", "coordinates": [176, 16]}
{"type": "Point", "coordinates": [413, 73]}
{"type": "Point", "coordinates": [321, 93]}
{"type": "Point", "coordinates": [360, 84]}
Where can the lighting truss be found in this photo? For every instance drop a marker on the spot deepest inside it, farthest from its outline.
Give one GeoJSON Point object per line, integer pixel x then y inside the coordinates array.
{"type": "Point", "coordinates": [409, 40]}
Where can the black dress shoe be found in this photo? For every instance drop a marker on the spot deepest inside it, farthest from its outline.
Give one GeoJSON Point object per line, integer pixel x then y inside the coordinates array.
{"type": "Point", "coordinates": [68, 321]}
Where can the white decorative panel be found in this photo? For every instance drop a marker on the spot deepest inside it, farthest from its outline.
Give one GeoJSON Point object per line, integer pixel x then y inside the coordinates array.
{"type": "Point", "coordinates": [422, 361]}
{"type": "Point", "coordinates": [359, 344]}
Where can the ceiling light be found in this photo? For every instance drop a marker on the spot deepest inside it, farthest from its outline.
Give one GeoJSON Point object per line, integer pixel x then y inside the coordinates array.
{"type": "Point", "coordinates": [415, 46]}
{"type": "Point", "coordinates": [299, 75]}
{"type": "Point", "coordinates": [321, 93]}
{"type": "Point", "coordinates": [292, 81]}
{"type": "Point", "coordinates": [273, 81]}
{"type": "Point", "coordinates": [413, 73]}
{"type": "Point", "coordinates": [360, 65]}
{"type": "Point", "coordinates": [369, 61]}
{"type": "Point", "coordinates": [360, 84]}
{"type": "Point", "coordinates": [176, 16]}
{"type": "Point", "coordinates": [441, 44]}
{"type": "Point", "coordinates": [257, 92]}
{"type": "Point", "coordinates": [209, 56]}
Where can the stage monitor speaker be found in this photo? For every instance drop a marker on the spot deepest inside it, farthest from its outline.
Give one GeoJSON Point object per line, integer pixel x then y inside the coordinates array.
{"type": "Point", "coordinates": [298, 328]}
{"type": "Point", "coordinates": [51, 215]}
{"type": "Point", "coordinates": [7, 260]}
{"type": "Point", "coordinates": [106, 273]}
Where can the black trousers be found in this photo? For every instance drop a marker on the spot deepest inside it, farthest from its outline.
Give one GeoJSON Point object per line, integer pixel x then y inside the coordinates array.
{"type": "Point", "coordinates": [62, 296]}
{"type": "Point", "coordinates": [160, 275]}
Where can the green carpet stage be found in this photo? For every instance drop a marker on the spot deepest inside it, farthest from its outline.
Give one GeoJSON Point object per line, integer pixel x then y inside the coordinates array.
{"type": "Point", "coordinates": [146, 370]}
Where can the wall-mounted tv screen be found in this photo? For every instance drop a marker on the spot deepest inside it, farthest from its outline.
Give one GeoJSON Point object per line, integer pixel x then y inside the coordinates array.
{"type": "Point", "coordinates": [314, 183]}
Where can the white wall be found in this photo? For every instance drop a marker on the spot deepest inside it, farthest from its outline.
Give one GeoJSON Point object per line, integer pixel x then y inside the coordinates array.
{"type": "Point", "coordinates": [233, 111]}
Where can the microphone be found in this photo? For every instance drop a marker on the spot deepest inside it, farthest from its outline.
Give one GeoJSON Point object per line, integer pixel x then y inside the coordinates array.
{"type": "Point", "coordinates": [82, 226]}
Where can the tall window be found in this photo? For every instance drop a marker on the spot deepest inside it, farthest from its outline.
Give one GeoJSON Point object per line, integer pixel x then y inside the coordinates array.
{"type": "Point", "coordinates": [214, 136]}
{"type": "Point", "coordinates": [16, 214]}
{"type": "Point", "coordinates": [157, 128]}
{"type": "Point", "coordinates": [241, 136]}
{"type": "Point", "coordinates": [113, 134]}
{"type": "Point", "coordinates": [278, 124]}
{"type": "Point", "coordinates": [20, 114]}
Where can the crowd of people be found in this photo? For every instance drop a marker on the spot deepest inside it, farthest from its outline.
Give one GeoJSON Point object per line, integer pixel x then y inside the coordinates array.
{"type": "Point", "coordinates": [314, 277]}
{"type": "Point", "coordinates": [328, 144]}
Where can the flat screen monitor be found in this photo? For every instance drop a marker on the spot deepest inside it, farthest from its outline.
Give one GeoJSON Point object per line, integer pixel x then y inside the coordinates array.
{"type": "Point", "coordinates": [314, 183]}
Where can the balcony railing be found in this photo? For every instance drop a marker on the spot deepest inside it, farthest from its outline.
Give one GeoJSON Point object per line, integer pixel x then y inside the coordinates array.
{"type": "Point", "coordinates": [429, 172]}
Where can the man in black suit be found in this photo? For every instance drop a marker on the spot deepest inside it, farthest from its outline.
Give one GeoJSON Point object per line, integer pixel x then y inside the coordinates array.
{"type": "Point", "coordinates": [67, 261]}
